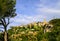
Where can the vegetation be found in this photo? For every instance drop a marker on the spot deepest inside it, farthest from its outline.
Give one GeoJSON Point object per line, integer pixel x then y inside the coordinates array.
{"type": "Point", "coordinates": [35, 32]}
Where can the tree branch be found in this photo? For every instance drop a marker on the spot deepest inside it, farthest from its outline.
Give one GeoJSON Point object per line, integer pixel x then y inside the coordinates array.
{"type": "Point", "coordinates": [8, 21]}
{"type": "Point", "coordinates": [2, 23]}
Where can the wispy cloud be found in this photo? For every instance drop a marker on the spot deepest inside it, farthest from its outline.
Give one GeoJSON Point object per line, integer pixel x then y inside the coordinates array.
{"type": "Point", "coordinates": [25, 19]}
{"type": "Point", "coordinates": [48, 10]}
{"type": "Point", "coordinates": [49, 6]}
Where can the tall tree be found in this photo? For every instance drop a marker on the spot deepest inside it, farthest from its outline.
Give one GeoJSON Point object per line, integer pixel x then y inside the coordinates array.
{"type": "Point", "coordinates": [7, 11]}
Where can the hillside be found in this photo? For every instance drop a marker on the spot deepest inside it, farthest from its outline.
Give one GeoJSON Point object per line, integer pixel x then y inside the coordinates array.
{"type": "Point", "coordinates": [36, 31]}
{"type": "Point", "coordinates": [29, 32]}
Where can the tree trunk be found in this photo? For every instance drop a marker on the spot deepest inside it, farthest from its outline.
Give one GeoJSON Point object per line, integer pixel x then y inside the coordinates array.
{"type": "Point", "coordinates": [5, 36]}
{"type": "Point", "coordinates": [5, 33]}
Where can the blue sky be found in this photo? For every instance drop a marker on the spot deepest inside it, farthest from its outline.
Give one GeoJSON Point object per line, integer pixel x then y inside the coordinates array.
{"type": "Point", "coordinates": [35, 10]}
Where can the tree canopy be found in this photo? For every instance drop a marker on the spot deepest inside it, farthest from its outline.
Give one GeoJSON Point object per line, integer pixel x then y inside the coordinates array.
{"type": "Point", "coordinates": [7, 8]}
{"type": "Point", "coordinates": [55, 21]}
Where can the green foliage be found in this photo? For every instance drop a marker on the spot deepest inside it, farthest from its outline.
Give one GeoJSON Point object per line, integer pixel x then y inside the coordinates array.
{"type": "Point", "coordinates": [7, 8]}
{"type": "Point", "coordinates": [56, 28]}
